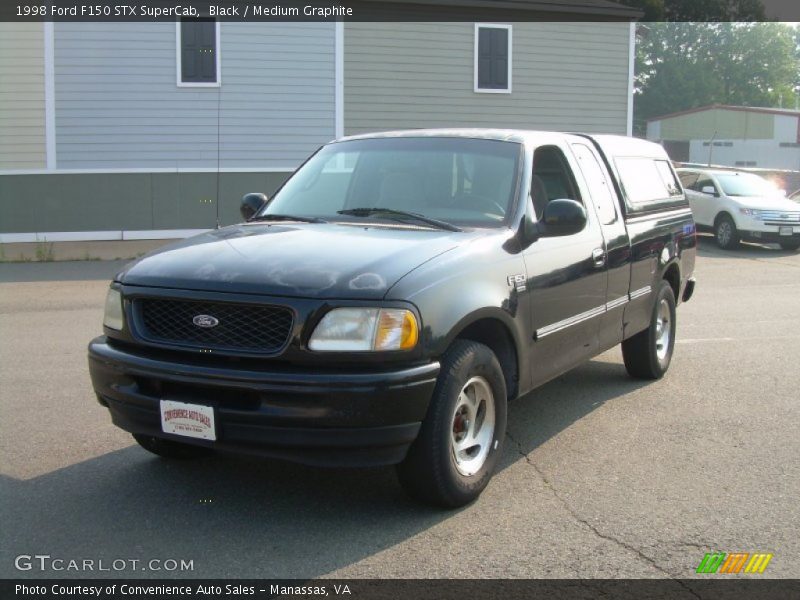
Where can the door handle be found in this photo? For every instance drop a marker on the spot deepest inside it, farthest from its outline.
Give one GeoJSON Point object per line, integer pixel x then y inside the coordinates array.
{"type": "Point", "coordinates": [599, 257]}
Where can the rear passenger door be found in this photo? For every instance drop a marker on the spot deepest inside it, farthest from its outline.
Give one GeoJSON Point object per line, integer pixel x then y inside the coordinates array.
{"type": "Point", "coordinates": [567, 276]}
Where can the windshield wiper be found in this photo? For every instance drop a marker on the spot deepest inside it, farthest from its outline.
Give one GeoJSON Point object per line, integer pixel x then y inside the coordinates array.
{"type": "Point", "coordinates": [274, 217]}
{"type": "Point", "coordinates": [368, 212]}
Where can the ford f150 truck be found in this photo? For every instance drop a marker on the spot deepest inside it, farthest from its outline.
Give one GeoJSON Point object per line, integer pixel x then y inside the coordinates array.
{"type": "Point", "coordinates": [391, 298]}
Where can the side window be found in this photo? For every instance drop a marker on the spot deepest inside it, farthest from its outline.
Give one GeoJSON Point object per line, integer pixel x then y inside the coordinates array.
{"type": "Point", "coordinates": [552, 179]}
{"type": "Point", "coordinates": [669, 178]}
{"type": "Point", "coordinates": [604, 197]}
{"type": "Point", "coordinates": [704, 182]}
{"type": "Point", "coordinates": [647, 180]}
{"type": "Point", "coordinates": [198, 53]}
{"type": "Point", "coordinates": [688, 180]}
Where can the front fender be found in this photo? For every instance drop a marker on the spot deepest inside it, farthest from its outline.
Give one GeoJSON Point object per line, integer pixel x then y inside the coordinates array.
{"type": "Point", "coordinates": [464, 286]}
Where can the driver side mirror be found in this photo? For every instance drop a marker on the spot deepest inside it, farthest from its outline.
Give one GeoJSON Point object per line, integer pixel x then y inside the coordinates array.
{"type": "Point", "coordinates": [710, 190]}
{"type": "Point", "coordinates": [561, 217]}
{"type": "Point", "coordinates": [251, 204]}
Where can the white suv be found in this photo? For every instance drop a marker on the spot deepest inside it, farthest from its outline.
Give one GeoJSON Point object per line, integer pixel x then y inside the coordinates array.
{"type": "Point", "coordinates": [741, 206]}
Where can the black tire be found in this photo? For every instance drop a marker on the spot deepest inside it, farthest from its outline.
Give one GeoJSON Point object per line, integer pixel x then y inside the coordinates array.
{"type": "Point", "coordinates": [725, 233]}
{"type": "Point", "coordinates": [169, 449]}
{"type": "Point", "coordinates": [790, 246]}
{"type": "Point", "coordinates": [429, 472]}
{"type": "Point", "coordinates": [642, 355]}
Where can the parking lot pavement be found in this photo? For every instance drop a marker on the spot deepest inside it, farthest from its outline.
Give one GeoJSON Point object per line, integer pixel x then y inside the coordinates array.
{"type": "Point", "coordinates": [602, 476]}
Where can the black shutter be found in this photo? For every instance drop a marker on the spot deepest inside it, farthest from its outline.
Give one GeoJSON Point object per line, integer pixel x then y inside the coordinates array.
{"type": "Point", "coordinates": [492, 58]}
{"type": "Point", "coordinates": [198, 51]}
{"type": "Point", "coordinates": [484, 58]}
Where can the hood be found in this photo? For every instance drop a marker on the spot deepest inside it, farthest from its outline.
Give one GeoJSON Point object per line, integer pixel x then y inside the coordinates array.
{"type": "Point", "coordinates": [779, 203]}
{"type": "Point", "coordinates": [302, 260]}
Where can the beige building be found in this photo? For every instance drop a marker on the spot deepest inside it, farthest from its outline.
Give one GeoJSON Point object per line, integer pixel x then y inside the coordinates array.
{"type": "Point", "coordinates": [733, 136]}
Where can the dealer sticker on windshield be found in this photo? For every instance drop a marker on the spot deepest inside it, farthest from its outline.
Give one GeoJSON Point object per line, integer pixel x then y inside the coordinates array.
{"type": "Point", "coordinates": [190, 420]}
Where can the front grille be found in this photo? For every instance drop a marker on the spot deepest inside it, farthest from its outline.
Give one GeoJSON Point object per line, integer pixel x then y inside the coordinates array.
{"type": "Point", "coordinates": [781, 216]}
{"type": "Point", "coordinates": [241, 327]}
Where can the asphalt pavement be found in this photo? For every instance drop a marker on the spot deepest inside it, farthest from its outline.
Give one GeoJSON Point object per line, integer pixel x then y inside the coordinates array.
{"type": "Point", "coordinates": [602, 476]}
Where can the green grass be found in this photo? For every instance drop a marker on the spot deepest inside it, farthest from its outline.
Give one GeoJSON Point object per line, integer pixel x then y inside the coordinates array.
{"type": "Point", "coordinates": [44, 252]}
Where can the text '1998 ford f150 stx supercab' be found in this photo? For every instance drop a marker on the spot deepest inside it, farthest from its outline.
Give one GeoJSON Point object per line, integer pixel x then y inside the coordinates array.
{"type": "Point", "coordinates": [391, 298]}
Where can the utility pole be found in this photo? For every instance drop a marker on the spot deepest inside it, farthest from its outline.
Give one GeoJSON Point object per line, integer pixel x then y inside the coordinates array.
{"type": "Point", "coordinates": [711, 148]}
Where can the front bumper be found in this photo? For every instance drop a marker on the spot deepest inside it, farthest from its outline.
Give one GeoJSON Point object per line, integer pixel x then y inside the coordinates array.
{"type": "Point", "coordinates": [769, 237]}
{"type": "Point", "coordinates": [317, 417]}
{"type": "Point", "coordinates": [756, 230]}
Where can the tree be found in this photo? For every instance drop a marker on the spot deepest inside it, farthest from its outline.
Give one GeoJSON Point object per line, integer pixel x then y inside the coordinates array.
{"type": "Point", "coordinates": [687, 65]}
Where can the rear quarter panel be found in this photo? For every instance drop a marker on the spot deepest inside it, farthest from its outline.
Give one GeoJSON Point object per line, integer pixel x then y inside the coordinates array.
{"type": "Point", "coordinates": [658, 241]}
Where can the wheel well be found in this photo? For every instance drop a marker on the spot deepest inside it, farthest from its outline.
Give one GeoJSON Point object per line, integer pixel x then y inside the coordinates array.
{"type": "Point", "coordinates": [673, 276]}
{"type": "Point", "coordinates": [720, 215]}
{"type": "Point", "coordinates": [494, 334]}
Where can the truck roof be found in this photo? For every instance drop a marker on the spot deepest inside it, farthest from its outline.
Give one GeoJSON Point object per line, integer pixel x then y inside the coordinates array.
{"type": "Point", "coordinates": [507, 135]}
{"type": "Point", "coordinates": [612, 145]}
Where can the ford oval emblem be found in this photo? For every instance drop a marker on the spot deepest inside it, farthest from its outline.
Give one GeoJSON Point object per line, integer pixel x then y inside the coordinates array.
{"type": "Point", "coordinates": [205, 321]}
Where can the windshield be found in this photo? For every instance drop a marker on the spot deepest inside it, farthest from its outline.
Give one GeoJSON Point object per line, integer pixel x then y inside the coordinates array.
{"type": "Point", "coordinates": [746, 184]}
{"type": "Point", "coordinates": [455, 180]}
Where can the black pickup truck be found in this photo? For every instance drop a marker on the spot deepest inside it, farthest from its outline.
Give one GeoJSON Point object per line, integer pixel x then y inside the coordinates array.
{"type": "Point", "coordinates": [392, 297]}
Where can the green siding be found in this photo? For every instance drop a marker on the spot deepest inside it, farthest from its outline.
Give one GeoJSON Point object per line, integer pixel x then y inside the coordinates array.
{"type": "Point", "coordinates": [565, 76]}
{"type": "Point", "coordinates": [22, 128]}
{"type": "Point", "coordinates": [725, 124]}
{"type": "Point", "coordinates": [125, 201]}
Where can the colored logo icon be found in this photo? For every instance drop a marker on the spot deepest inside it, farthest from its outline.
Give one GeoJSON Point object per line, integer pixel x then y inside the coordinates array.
{"type": "Point", "coordinates": [735, 562]}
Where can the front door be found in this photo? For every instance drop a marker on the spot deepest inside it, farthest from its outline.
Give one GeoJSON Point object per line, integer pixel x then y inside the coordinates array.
{"type": "Point", "coordinates": [567, 276]}
{"type": "Point", "coordinates": [704, 206]}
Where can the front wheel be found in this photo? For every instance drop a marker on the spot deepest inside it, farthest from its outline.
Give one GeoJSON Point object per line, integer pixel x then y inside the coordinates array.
{"type": "Point", "coordinates": [648, 353]}
{"type": "Point", "coordinates": [790, 246]}
{"type": "Point", "coordinates": [726, 234]}
{"type": "Point", "coordinates": [455, 454]}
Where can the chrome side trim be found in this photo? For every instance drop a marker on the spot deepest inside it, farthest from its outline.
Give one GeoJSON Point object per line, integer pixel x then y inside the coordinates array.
{"type": "Point", "coordinates": [570, 321]}
{"type": "Point", "coordinates": [640, 292]}
{"type": "Point", "coordinates": [622, 300]}
{"type": "Point", "coordinates": [589, 314]}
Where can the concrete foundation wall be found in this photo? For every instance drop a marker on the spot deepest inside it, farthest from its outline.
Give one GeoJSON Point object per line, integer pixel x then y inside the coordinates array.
{"type": "Point", "coordinates": [107, 202]}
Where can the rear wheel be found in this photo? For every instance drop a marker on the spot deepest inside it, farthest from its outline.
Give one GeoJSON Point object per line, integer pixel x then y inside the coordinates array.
{"type": "Point", "coordinates": [790, 246]}
{"type": "Point", "coordinates": [455, 454]}
{"type": "Point", "coordinates": [648, 354]}
{"type": "Point", "coordinates": [170, 449]}
{"type": "Point", "coordinates": [725, 233]}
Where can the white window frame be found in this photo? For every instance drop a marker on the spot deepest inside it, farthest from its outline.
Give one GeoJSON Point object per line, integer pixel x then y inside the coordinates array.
{"type": "Point", "coordinates": [478, 27]}
{"type": "Point", "coordinates": [179, 61]}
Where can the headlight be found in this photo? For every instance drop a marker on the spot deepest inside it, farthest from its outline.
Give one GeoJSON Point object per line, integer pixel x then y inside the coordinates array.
{"type": "Point", "coordinates": [750, 212]}
{"type": "Point", "coordinates": [365, 330]}
{"type": "Point", "coordinates": [113, 316]}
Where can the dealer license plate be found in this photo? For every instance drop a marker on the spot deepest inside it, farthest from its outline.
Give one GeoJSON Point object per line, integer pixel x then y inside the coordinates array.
{"type": "Point", "coordinates": [189, 420]}
{"type": "Point", "coordinates": [785, 230]}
